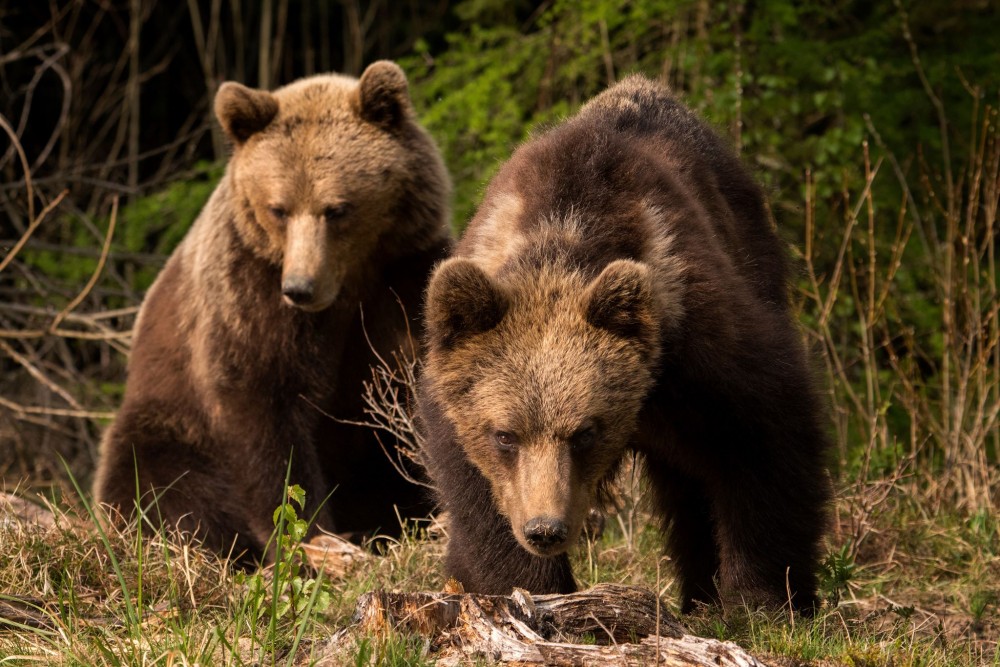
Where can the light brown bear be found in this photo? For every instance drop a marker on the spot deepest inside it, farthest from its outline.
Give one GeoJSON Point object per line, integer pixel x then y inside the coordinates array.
{"type": "Point", "coordinates": [621, 289]}
{"type": "Point", "coordinates": [261, 327]}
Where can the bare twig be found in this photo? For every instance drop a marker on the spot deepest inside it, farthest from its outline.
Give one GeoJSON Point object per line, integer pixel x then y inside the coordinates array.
{"type": "Point", "coordinates": [19, 409]}
{"type": "Point", "coordinates": [24, 164]}
{"type": "Point", "coordinates": [31, 228]}
{"type": "Point", "coordinates": [97, 270]}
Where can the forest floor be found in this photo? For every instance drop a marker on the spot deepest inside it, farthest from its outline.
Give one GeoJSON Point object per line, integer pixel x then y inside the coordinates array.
{"type": "Point", "coordinates": [901, 586]}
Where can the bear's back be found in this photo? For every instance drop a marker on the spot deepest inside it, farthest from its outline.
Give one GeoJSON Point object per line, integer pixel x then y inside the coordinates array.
{"type": "Point", "coordinates": [630, 148]}
{"type": "Point", "coordinates": [646, 114]}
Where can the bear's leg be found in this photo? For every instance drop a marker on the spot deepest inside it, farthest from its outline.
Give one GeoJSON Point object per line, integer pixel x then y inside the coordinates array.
{"type": "Point", "coordinates": [177, 488]}
{"type": "Point", "coordinates": [770, 525]}
{"type": "Point", "coordinates": [748, 422]}
{"type": "Point", "coordinates": [684, 506]}
{"type": "Point", "coordinates": [201, 488]}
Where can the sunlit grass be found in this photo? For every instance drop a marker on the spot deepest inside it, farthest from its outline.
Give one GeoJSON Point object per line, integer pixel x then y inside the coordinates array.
{"type": "Point", "coordinates": [925, 592]}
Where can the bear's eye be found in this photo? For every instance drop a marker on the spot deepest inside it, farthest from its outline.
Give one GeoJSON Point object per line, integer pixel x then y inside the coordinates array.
{"type": "Point", "coordinates": [278, 212]}
{"type": "Point", "coordinates": [506, 442]}
{"type": "Point", "coordinates": [583, 439]}
{"type": "Point", "coordinates": [335, 213]}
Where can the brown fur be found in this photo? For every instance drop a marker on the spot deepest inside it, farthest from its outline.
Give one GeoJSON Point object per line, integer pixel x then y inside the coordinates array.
{"type": "Point", "coordinates": [621, 289]}
{"type": "Point", "coordinates": [331, 213]}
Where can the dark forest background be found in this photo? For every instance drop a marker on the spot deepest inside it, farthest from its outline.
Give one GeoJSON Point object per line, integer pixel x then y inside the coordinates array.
{"type": "Point", "coordinates": [873, 125]}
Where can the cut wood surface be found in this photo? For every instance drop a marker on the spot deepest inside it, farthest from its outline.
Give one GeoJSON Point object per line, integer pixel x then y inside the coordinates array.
{"type": "Point", "coordinates": [628, 625]}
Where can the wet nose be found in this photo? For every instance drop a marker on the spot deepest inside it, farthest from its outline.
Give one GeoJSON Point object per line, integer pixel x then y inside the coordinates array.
{"type": "Point", "coordinates": [297, 290]}
{"type": "Point", "coordinates": [545, 532]}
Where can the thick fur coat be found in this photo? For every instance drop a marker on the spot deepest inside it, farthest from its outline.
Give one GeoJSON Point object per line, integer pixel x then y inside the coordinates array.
{"type": "Point", "coordinates": [311, 256]}
{"type": "Point", "coordinates": [621, 289]}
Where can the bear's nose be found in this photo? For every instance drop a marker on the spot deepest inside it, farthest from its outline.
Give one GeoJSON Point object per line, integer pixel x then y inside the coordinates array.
{"type": "Point", "coordinates": [545, 532]}
{"type": "Point", "coordinates": [297, 291]}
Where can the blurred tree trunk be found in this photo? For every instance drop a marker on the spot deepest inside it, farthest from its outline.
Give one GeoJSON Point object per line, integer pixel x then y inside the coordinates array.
{"type": "Point", "coordinates": [354, 40]}
{"type": "Point", "coordinates": [324, 37]}
{"type": "Point", "coordinates": [308, 51]}
{"type": "Point", "coordinates": [135, 23]}
{"type": "Point", "coordinates": [206, 45]}
{"type": "Point", "coordinates": [239, 68]}
{"type": "Point", "coordinates": [264, 46]}
{"type": "Point", "coordinates": [279, 43]}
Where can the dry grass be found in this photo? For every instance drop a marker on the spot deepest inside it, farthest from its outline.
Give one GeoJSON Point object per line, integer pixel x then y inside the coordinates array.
{"type": "Point", "coordinates": [922, 590]}
{"type": "Point", "coordinates": [76, 595]}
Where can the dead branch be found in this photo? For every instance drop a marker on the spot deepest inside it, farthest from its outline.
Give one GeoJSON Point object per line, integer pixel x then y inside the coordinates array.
{"type": "Point", "coordinates": [388, 406]}
{"type": "Point", "coordinates": [16, 143]}
{"type": "Point", "coordinates": [19, 323]}
{"type": "Point", "coordinates": [18, 613]}
{"type": "Point", "coordinates": [24, 410]}
{"type": "Point", "coordinates": [37, 373]}
{"type": "Point", "coordinates": [31, 227]}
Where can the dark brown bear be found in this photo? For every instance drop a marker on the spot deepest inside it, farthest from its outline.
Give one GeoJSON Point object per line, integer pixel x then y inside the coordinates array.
{"type": "Point", "coordinates": [621, 289]}
{"type": "Point", "coordinates": [330, 216]}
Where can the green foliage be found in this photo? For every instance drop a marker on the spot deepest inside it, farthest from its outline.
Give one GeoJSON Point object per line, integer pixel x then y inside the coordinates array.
{"type": "Point", "coordinates": [478, 112]}
{"type": "Point", "coordinates": [791, 82]}
{"type": "Point", "coordinates": [984, 531]}
{"type": "Point", "coordinates": [980, 602]}
{"type": "Point", "coordinates": [286, 600]}
{"type": "Point", "coordinates": [157, 222]}
{"type": "Point", "coordinates": [836, 573]}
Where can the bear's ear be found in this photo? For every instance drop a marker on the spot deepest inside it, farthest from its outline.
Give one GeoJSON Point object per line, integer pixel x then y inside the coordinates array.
{"type": "Point", "coordinates": [383, 94]}
{"type": "Point", "coordinates": [243, 111]}
{"type": "Point", "coordinates": [461, 301]}
{"type": "Point", "coordinates": [620, 300]}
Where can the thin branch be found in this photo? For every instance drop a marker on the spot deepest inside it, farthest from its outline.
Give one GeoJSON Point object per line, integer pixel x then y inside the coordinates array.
{"type": "Point", "coordinates": [97, 271]}
{"type": "Point", "coordinates": [19, 409]}
{"type": "Point", "coordinates": [24, 163]}
{"type": "Point", "coordinates": [36, 373]}
{"type": "Point", "coordinates": [31, 227]}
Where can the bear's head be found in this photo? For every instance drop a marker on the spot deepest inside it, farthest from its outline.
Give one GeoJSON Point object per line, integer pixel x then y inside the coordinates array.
{"type": "Point", "coordinates": [542, 373]}
{"type": "Point", "coordinates": [321, 170]}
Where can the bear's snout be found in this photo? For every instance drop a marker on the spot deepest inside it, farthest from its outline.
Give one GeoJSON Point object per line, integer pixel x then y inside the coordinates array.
{"type": "Point", "coordinates": [545, 533]}
{"type": "Point", "coordinates": [297, 290]}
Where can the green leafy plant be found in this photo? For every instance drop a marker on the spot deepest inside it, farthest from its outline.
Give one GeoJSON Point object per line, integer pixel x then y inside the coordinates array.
{"type": "Point", "coordinates": [285, 598]}
{"type": "Point", "coordinates": [836, 574]}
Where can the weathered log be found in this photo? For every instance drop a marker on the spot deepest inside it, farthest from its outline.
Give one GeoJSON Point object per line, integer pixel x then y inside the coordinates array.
{"type": "Point", "coordinates": [629, 624]}
{"type": "Point", "coordinates": [621, 613]}
{"type": "Point", "coordinates": [686, 651]}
